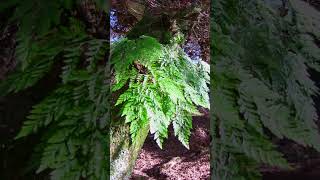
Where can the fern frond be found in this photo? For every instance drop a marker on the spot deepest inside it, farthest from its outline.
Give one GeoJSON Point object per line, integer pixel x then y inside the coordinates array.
{"type": "Point", "coordinates": [260, 80]}
{"type": "Point", "coordinates": [164, 87]}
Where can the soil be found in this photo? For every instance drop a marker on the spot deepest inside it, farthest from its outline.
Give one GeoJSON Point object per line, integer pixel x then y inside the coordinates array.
{"type": "Point", "coordinates": [175, 161]}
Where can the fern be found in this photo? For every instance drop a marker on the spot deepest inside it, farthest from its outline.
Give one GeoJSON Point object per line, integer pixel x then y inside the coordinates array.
{"type": "Point", "coordinates": [164, 87]}
{"type": "Point", "coordinates": [260, 82]}
{"type": "Point", "coordinates": [74, 118]}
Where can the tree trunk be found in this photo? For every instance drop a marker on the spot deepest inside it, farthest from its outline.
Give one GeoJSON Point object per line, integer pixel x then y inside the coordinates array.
{"type": "Point", "coordinates": [123, 153]}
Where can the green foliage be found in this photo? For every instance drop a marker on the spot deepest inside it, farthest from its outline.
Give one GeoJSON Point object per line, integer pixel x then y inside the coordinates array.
{"type": "Point", "coordinates": [162, 86]}
{"type": "Point", "coordinates": [260, 83]}
{"type": "Point", "coordinates": [72, 120]}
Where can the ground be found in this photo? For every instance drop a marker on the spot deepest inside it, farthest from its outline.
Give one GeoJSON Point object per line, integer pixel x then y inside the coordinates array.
{"type": "Point", "coordinates": [175, 162]}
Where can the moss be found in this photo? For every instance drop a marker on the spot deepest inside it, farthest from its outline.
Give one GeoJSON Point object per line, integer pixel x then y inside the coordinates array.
{"type": "Point", "coordinates": [123, 152]}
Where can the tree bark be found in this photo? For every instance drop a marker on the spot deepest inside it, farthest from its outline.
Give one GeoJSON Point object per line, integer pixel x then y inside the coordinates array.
{"type": "Point", "coordinates": [123, 153]}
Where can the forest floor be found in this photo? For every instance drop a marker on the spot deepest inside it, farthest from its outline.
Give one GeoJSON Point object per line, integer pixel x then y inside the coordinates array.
{"type": "Point", "coordinates": [174, 161]}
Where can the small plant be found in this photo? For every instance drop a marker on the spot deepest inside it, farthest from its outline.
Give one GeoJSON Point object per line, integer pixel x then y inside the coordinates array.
{"type": "Point", "coordinates": [162, 86]}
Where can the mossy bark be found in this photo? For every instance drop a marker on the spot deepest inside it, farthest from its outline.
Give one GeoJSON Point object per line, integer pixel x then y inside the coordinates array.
{"type": "Point", "coordinates": [123, 153]}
